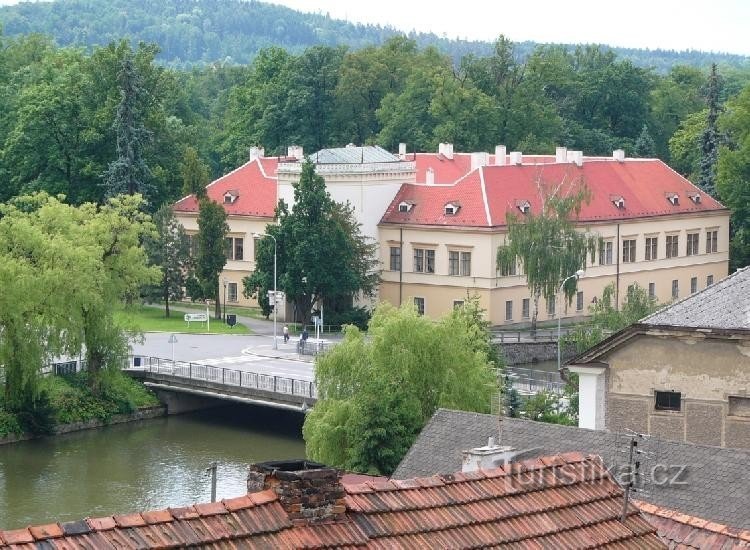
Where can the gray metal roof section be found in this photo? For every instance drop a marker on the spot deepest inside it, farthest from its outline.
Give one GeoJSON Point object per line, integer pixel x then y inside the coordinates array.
{"type": "Point", "coordinates": [353, 155]}
{"type": "Point", "coordinates": [725, 304]}
{"type": "Point", "coordinates": [716, 480]}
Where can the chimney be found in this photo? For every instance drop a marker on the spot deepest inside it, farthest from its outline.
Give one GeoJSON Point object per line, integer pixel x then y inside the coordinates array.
{"type": "Point", "coordinates": [618, 155]}
{"type": "Point", "coordinates": [479, 159]}
{"type": "Point", "coordinates": [256, 152]}
{"type": "Point", "coordinates": [402, 151]}
{"type": "Point", "coordinates": [561, 154]}
{"type": "Point", "coordinates": [429, 177]}
{"type": "Point", "coordinates": [500, 155]}
{"type": "Point", "coordinates": [295, 151]}
{"type": "Point", "coordinates": [309, 492]}
{"type": "Point", "coordinates": [488, 457]}
{"type": "Point", "coordinates": [446, 149]}
{"type": "Point", "coordinates": [516, 157]}
{"type": "Point", "coordinates": [576, 157]}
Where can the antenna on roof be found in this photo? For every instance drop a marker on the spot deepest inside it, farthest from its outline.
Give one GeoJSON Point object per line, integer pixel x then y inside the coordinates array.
{"type": "Point", "coordinates": [631, 471]}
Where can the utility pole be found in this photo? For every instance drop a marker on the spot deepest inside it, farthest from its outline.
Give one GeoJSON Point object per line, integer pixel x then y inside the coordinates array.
{"type": "Point", "coordinates": [212, 470]}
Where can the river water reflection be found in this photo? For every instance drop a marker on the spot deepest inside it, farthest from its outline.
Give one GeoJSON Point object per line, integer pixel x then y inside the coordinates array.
{"type": "Point", "coordinates": [149, 465]}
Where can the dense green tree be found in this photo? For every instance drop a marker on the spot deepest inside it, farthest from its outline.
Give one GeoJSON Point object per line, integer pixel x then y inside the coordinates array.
{"type": "Point", "coordinates": [710, 137]}
{"type": "Point", "coordinates": [378, 390]}
{"type": "Point", "coordinates": [644, 146]}
{"type": "Point", "coordinates": [322, 255]}
{"type": "Point", "coordinates": [211, 256]}
{"type": "Point", "coordinates": [129, 173]}
{"type": "Point", "coordinates": [547, 244]}
{"type": "Point", "coordinates": [168, 249]}
{"type": "Point", "coordinates": [733, 181]}
{"type": "Point", "coordinates": [684, 145]}
{"type": "Point", "coordinates": [194, 174]}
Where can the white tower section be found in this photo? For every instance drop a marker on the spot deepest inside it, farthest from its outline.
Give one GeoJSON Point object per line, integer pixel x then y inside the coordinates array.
{"type": "Point", "coordinates": [366, 177]}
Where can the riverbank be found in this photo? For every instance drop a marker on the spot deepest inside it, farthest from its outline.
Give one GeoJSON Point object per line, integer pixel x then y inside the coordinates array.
{"type": "Point", "coordinates": [146, 413]}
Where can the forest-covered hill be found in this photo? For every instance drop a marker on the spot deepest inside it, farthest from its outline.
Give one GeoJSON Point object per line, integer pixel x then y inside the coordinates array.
{"type": "Point", "coordinates": [198, 32]}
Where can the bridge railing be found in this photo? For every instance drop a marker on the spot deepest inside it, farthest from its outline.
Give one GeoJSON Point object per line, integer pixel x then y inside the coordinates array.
{"type": "Point", "coordinates": [530, 381]}
{"type": "Point", "coordinates": [224, 376]}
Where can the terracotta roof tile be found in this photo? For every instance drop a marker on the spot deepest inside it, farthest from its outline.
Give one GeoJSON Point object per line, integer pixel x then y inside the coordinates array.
{"type": "Point", "coordinates": [129, 520]}
{"type": "Point", "coordinates": [99, 524]}
{"type": "Point", "coordinates": [238, 503]}
{"type": "Point", "coordinates": [41, 532]}
{"type": "Point", "coordinates": [263, 497]}
{"type": "Point", "coordinates": [156, 516]}
{"type": "Point", "coordinates": [210, 508]}
{"type": "Point", "coordinates": [186, 512]}
{"type": "Point", "coordinates": [18, 536]}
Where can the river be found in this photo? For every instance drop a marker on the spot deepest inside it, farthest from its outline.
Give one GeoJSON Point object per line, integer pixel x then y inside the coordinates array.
{"type": "Point", "coordinates": [146, 465]}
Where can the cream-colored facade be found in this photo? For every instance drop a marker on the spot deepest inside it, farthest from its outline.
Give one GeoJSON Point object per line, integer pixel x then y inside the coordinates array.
{"type": "Point", "coordinates": [439, 290]}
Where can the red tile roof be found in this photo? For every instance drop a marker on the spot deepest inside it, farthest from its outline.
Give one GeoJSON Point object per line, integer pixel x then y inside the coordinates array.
{"type": "Point", "coordinates": [254, 183]}
{"type": "Point", "coordinates": [488, 193]}
{"type": "Point", "coordinates": [682, 532]}
{"type": "Point", "coordinates": [555, 502]}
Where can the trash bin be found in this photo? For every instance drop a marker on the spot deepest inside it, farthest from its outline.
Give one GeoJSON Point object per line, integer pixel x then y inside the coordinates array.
{"type": "Point", "coordinates": [231, 319]}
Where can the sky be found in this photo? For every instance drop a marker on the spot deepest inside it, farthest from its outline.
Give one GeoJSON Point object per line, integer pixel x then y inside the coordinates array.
{"type": "Point", "coordinates": [713, 26]}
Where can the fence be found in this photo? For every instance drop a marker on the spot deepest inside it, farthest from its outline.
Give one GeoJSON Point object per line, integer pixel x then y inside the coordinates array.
{"type": "Point", "coordinates": [312, 347]}
{"type": "Point", "coordinates": [224, 376]}
{"type": "Point", "coordinates": [531, 381]}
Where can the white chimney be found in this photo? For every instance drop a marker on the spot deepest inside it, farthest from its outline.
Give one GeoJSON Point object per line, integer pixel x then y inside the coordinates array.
{"type": "Point", "coordinates": [429, 177]}
{"type": "Point", "coordinates": [488, 457]}
{"type": "Point", "coordinates": [446, 149]}
{"type": "Point", "coordinates": [561, 154]}
{"type": "Point", "coordinates": [591, 395]}
{"type": "Point", "coordinates": [576, 157]}
{"type": "Point", "coordinates": [295, 151]}
{"type": "Point", "coordinates": [516, 157]}
{"type": "Point", "coordinates": [402, 151]}
{"type": "Point", "coordinates": [500, 155]}
{"type": "Point", "coordinates": [618, 155]}
{"type": "Point", "coordinates": [479, 159]}
{"type": "Point", "coordinates": [256, 152]}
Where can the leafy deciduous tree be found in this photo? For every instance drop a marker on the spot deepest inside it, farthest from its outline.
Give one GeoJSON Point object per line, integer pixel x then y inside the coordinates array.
{"type": "Point", "coordinates": [211, 257]}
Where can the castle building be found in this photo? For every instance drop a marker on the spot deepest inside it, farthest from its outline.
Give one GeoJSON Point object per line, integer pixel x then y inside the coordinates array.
{"type": "Point", "coordinates": [439, 218]}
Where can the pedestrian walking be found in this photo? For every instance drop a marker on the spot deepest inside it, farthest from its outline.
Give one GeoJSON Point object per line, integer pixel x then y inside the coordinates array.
{"type": "Point", "coordinates": [286, 334]}
{"type": "Point", "coordinates": [303, 338]}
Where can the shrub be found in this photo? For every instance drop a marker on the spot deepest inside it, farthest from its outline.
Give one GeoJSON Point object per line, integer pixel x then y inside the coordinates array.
{"type": "Point", "coordinates": [9, 424]}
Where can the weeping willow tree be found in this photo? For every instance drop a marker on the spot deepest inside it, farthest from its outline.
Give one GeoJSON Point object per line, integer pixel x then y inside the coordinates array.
{"type": "Point", "coordinates": [546, 244]}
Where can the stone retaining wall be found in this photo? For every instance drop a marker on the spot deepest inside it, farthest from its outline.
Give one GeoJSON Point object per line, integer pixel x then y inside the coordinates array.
{"type": "Point", "coordinates": [517, 353]}
{"type": "Point", "coordinates": [140, 414]}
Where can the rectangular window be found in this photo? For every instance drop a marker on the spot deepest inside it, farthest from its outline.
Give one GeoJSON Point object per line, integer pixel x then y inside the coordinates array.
{"type": "Point", "coordinates": [551, 307]}
{"type": "Point", "coordinates": [466, 263]}
{"type": "Point", "coordinates": [675, 289]}
{"type": "Point", "coordinates": [419, 304]}
{"type": "Point", "coordinates": [628, 251]}
{"type": "Point", "coordinates": [712, 238]}
{"type": "Point", "coordinates": [508, 310]}
{"type": "Point", "coordinates": [458, 304]}
{"type": "Point", "coordinates": [739, 406]}
{"type": "Point", "coordinates": [508, 270]}
{"type": "Point", "coordinates": [395, 258]}
{"type": "Point", "coordinates": [652, 290]}
{"type": "Point", "coordinates": [668, 401]}
{"type": "Point", "coordinates": [234, 248]}
{"type": "Point", "coordinates": [709, 280]}
{"type": "Point", "coordinates": [672, 245]}
{"type": "Point", "coordinates": [652, 246]}
{"type": "Point", "coordinates": [256, 245]}
{"type": "Point", "coordinates": [453, 259]}
{"type": "Point", "coordinates": [232, 292]}
{"type": "Point", "coordinates": [419, 260]}
{"type": "Point", "coordinates": [193, 245]}
{"type": "Point", "coordinates": [525, 308]}
{"type": "Point", "coordinates": [692, 244]}
{"type": "Point", "coordinates": [605, 253]}
{"type": "Point", "coordinates": [693, 285]}
{"type": "Point", "coordinates": [579, 301]}
{"type": "Point", "coordinates": [429, 261]}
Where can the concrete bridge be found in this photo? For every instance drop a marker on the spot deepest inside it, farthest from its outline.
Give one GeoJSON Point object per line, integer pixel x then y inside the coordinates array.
{"type": "Point", "coordinates": [185, 386]}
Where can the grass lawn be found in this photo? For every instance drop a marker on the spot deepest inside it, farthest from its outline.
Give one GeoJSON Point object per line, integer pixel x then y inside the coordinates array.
{"type": "Point", "coordinates": [150, 319]}
{"type": "Point", "coordinates": [243, 311]}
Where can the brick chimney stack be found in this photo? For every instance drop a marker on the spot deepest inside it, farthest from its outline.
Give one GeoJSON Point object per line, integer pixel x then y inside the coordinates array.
{"type": "Point", "coordinates": [309, 492]}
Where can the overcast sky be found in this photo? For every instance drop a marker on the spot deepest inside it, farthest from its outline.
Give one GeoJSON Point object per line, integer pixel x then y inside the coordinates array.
{"type": "Point", "coordinates": [716, 25]}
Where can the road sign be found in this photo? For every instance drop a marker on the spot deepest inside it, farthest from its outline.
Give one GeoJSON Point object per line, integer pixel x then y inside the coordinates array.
{"type": "Point", "coordinates": [172, 339]}
{"type": "Point", "coordinates": [279, 296]}
{"type": "Point", "coordinates": [203, 317]}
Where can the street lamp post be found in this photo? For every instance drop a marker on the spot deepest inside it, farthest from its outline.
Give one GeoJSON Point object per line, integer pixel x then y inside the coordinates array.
{"type": "Point", "coordinates": [225, 299]}
{"type": "Point", "coordinates": [577, 275]}
{"type": "Point", "coordinates": [275, 295]}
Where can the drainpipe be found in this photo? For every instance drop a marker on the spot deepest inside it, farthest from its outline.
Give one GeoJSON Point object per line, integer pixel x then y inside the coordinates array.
{"type": "Point", "coordinates": [617, 278]}
{"type": "Point", "coordinates": [401, 266]}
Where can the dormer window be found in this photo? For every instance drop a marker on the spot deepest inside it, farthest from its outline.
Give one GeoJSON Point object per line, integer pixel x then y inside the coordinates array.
{"type": "Point", "coordinates": [618, 201]}
{"type": "Point", "coordinates": [452, 208]}
{"type": "Point", "coordinates": [405, 206]}
{"type": "Point", "coordinates": [524, 206]}
{"type": "Point", "coordinates": [230, 197]}
{"type": "Point", "coordinates": [695, 197]}
{"type": "Point", "coordinates": [673, 199]}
